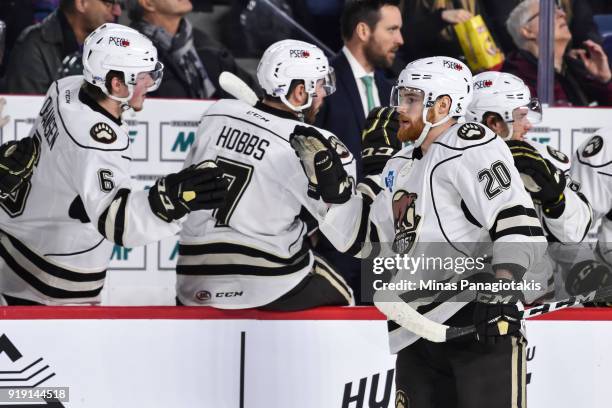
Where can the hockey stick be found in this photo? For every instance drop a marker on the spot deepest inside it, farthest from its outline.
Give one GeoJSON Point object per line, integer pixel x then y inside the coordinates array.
{"type": "Point", "coordinates": [237, 88]}
{"type": "Point", "coordinates": [404, 315]}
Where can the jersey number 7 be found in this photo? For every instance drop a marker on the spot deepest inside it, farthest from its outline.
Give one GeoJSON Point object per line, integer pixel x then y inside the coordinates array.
{"type": "Point", "coordinates": [239, 176]}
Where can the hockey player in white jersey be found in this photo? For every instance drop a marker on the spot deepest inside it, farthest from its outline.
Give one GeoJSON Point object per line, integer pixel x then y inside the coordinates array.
{"type": "Point", "coordinates": [253, 252]}
{"type": "Point", "coordinates": [58, 229]}
{"type": "Point", "coordinates": [454, 181]}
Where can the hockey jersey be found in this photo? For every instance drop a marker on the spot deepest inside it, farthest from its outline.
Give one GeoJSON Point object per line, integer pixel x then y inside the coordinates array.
{"type": "Point", "coordinates": [591, 174]}
{"type": "Point", "coordinates": [58, 231]}
{"type": "Point", "coordinates": [252, 251]}
{"type": "Point", "coordinates": [465, 183]}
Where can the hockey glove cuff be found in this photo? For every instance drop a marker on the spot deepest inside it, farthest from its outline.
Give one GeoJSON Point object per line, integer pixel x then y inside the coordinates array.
{"type": "Point", "coordinates": [498, 314]}
{"type": "Point", "coordinates": [198, 187]}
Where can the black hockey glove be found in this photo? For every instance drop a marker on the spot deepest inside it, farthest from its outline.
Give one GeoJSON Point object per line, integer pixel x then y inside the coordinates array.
{"type": "Point", "coordinates": [379, 139]}
{"type": "Point", "coordinates": [497, 313]}
{"type": "Point", "coordinates": [17, 162]}
{"type": "Point", "coordinates": [587, 276]}
{"type": "Point", "coordinates": [198, 187]}
{"type": "Point", "coordinates": [321, 162]}
{"type": "Point", "coordinates": [542, 179]}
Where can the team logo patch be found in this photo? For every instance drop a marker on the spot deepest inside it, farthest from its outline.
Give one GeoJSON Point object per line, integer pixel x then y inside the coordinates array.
{"type": "Point", "coordinates": [405, 220]}
{"type": "Point", "coordinates": [593, 147]}
{"type": "Point", "coordinates": [339, 147]}
{"type": "Point", "coordinates": [203, 295]}
{"type": "Point", "coordinates": [471, 131]}
{"type": "Point", "coordinates": [558, 155]}
{"type": "Point", "coordinates": [389, 180]}
{"type": "Point", "coordinates": [103, 133]}
{"type": "Point", "coordinates": [401, 400]}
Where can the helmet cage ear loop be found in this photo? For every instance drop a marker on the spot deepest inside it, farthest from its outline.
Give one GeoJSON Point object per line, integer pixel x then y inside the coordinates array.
{"type": "Point", "coordinates": [428, 125]}
{"type": "Point", "coordinates": [123, 100]}
{"type": "Point", "coordinates": [298, 109]}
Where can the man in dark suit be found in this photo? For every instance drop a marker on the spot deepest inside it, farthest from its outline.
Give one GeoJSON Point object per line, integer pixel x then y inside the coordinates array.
{"type": "Point", "coordinates": [371, 35]}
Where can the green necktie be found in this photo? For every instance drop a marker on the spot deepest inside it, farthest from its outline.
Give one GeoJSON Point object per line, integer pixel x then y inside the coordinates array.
{"type": "Point", "coordinates": [367, 81]}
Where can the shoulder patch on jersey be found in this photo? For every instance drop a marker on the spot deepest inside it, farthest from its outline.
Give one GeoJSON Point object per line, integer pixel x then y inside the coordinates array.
{"type": "Point", "coordinates": [558, 155]}
{"type": "Point", "coordinates": [102, 132]}
{"type": "Point", "coordinates": [405, 220]}
{"type": "Point", "coordinates": [471, 131]}
{"type": "Point", "coordinates": [593, 147]}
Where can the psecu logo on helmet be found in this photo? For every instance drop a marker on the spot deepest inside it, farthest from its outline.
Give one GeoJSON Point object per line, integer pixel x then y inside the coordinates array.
{"type": "Point", "coordinates": [299, 54]}
{"type": "Point", "coordinates": [118, 41]}
{"type": "Point", "coordinates": [484, 83]}
{"type": "Point", "coordinates": [452, 65]}
{"type": "Point", "coordinates": [405, 220]}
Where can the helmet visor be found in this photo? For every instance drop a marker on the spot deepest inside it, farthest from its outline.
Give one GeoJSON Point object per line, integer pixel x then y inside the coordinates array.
{"type": "Point", "coordinates": [151, 79]}
{"type": "Point", "coordinates": [406, 97]}
{"type": "Point", "coordinates": [531, 112]}
{"type": "Point", "coordinates": [328, 82]}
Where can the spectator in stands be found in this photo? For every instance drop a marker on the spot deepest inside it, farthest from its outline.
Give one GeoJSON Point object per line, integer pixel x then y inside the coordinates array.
{"type": "Point", "coordinates": [192, 60]}
{"type": "Point", "coordinates": [371, 35]}
{"type": "Point", "coordinates": [579, 16]}
{"type": "Point", "coordinates": [41, 50]}
{"type": "Point", "coordinates": [582, 76]}
{"type": "Point", "coordinates": [428, 25]}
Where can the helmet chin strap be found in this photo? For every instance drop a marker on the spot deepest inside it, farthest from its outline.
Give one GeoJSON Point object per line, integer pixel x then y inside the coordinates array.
{"type": "Point", "coordinates": [298, 109]}
{"type": "Point", "coordinates": [428, 127]}
{"type": "Point", "coordinates": [123, 100]}
{"type": "Point", "coordinates": [510, 131]}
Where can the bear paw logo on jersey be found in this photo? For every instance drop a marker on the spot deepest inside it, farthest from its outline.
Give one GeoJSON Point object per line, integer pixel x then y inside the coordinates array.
{"type": "Point", "coordinates": [558, 155]}
{"type": "Point", "coordinates": [452, 65]}
{"type": "Point", "coordinates": [401, 400]}
{"type": "Point", "coordinates": [471, 131]}
{"type": "Point", "coordinates": [299, 54]}
{"type": "Point", "coordinates": [405, 220]}
{"type": "Point", "coordinates": [593, 147]}
{"type": "Point", "coordinates": [339, 147]}
{"type": "Point", "coordinates": [118, 41]}
{"type": "Point", "coordinates": [103, 133]}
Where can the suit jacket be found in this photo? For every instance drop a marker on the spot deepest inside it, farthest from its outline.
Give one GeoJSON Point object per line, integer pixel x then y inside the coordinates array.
{"type": "Point", "coordinates": [342, 113]}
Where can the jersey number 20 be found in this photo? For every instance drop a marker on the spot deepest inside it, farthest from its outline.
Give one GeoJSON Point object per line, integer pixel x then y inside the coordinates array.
{"type": "Point", "coordinates": [497, 178]}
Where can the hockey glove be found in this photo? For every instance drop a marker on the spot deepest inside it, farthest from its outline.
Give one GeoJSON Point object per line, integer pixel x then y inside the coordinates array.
{"type": "Point", "coordinates": [497, 313]}
{"type": "Point", "coordinates": [379, 139]}
{"type": "Point", "coordinates": [587, 276]}
{"type": "Point", "coordinates": [198, 187]}
{"type": "Point", "coordinates": [17, 162]}
{"type": "Point", "coordinates": [327, 178]}
{"type": "Point", "coordinates": [542, 179]}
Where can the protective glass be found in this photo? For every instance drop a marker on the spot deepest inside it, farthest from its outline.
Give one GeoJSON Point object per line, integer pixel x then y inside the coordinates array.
{"type": "Point", "coordinates": [406, 98]}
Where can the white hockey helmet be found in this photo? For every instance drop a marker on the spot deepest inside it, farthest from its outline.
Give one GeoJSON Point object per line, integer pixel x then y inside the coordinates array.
{"type": "Point", "coordinates": [502, 93]}
{"type": "Point", "coordinates": [114, 47]}
{"type": "Point", "coordinates": [288, 60]}
{"type": "Point", "coordinates": [433, 77]}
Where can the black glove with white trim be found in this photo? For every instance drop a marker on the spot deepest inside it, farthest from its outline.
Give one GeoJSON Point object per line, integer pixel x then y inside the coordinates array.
{"type": "Point", "coordinates": [198, 187]}
{"type": "Point", "coordinates": [497, 313]}
{"type": "Point", "coordinates": [379, 140]}
{"type": "Point", "coordinates": [587, 276]}
{"type": "Point", "coordinates": [17, 162]}
{"type": "Point", "coordinates": [544, 182]}
{"type": "Point", "coordinates": [327, 178]}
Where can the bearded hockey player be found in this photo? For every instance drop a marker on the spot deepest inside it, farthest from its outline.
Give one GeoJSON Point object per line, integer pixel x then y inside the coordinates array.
{"type": "Point", "coordinates": [252, 252]}
{"type": "Point", "coordinates": [456, 180]}
{"type": "Point", "coordinates": [59, 228]}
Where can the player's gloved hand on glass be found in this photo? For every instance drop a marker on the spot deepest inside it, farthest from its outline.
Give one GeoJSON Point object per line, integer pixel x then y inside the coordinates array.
{"type": "Point", "coordinates": [544, 182]}
{"type": "Point", "coordinates": [327, 178]}
{"type": "Point", "coordinates": [17, 162]}
{"type": "Point", "coordinates": [379, 139]}
{"type": "Point", "coordinates": [197, 187]}
{"type": "Point", "coordinates": [497, 313]}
